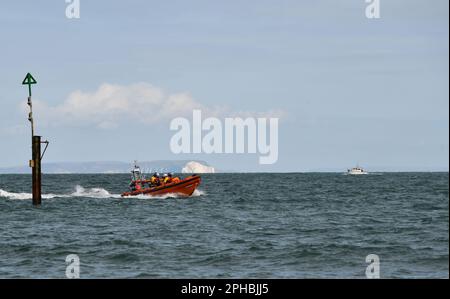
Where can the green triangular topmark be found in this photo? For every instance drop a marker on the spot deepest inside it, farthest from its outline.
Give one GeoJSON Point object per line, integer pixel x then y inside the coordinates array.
{"type": "Point", "coordinates": [29, 79]}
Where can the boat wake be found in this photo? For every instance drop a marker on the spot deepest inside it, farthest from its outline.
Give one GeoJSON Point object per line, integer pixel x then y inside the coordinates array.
{"type": "Point", "coordinates": [80, 191]}
{"type": "Point", "coordinates": [196, 193]}
{"type": "Point", "coordinates": [12, 195]}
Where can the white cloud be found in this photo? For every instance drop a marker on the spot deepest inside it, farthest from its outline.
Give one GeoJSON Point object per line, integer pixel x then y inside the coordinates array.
{"type": "Point", "coordinates": [111, 105]}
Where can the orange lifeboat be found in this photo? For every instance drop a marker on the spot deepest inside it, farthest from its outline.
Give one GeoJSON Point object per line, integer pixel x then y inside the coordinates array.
{"type": "Point", "coordinates": [184, 187]}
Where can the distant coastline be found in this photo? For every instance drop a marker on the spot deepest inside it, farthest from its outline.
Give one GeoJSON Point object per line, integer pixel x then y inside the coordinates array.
{"type": "Point", "coordinates": [176, 166]}
{"type": "Point", "coordinates": [104, 167]}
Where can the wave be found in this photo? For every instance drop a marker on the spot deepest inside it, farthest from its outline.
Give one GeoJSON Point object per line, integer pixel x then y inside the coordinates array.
{"type": "Point", "coordinates": [196, 193]}
{"type": "Point", "coordinates": [146, 196]}
{"type": "Point", "coordinates": [80, 191]}
{"type": "Point", "coordinates": [12, 195]}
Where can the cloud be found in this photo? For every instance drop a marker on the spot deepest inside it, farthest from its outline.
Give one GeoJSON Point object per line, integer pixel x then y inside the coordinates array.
{"type": "Point", "coordinates": [112, 105]}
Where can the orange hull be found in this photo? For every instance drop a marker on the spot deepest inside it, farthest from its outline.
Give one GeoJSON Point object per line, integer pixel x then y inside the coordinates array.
{"type": "Point", "coordinates": [185, 187]}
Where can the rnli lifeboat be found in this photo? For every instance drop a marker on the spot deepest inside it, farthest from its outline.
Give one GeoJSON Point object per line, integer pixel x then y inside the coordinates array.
{"type": "Point", "coordinates": [183, 187]}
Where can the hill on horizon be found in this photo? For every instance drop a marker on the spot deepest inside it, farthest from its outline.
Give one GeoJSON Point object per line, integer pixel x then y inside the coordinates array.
{"type": "Point", "coordinates": [104, 167]}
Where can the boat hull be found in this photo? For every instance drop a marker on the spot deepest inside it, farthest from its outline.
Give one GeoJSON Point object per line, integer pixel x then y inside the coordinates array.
{"type": "Point", "coordinates": [357, 173]}
{"type": "Point", "coordinates": [185, 187]}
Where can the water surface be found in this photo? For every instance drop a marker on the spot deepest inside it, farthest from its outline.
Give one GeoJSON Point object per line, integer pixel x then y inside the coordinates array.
{"type": "Point", "coordinates": [236, 226]}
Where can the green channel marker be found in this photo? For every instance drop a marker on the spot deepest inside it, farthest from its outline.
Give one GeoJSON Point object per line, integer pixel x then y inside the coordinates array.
{"type": "Point", "coordinates": [29, 80]}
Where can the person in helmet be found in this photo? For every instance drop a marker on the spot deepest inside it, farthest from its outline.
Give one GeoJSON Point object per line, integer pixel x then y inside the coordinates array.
{"type": "Point", "coordinates": [154, 180]}
{"type": "Point", "coordinates": [168, 178]}
{"type": "Point", "coordinates": [133, 186]}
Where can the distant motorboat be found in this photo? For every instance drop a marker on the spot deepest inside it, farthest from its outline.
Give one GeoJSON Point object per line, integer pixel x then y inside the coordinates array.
{"type": "Point", "coordinates": [356, 171]}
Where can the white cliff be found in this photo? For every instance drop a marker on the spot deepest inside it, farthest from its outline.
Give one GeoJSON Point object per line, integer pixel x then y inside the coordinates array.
{"type": "Point", "coordinates": [195, 167]}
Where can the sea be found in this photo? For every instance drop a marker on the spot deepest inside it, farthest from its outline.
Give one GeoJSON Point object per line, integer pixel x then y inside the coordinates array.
{"type": "Point", "coordinates": [293, 225]}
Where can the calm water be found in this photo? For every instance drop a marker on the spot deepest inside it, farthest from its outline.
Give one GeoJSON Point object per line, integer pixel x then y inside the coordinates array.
{"type": "Point", "coordinates": [238, 225]}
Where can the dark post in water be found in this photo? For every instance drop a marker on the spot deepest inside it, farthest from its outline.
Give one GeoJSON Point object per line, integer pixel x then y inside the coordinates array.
{"type": "Point", "coordinates": [35, 162]}
{"type": "Point", "coordinates": [36, 170]}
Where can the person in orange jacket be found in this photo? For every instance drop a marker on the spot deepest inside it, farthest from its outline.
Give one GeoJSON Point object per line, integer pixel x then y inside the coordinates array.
{"type": "Point", "coordinates": [168, 178]}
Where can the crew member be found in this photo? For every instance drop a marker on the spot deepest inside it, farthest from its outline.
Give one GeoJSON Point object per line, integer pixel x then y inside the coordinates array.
{"type": "Point", "coordinates": [154, 180]}
{"type": "Point", "coordinates": [138, 186]}
{"type": "Point", "coordinates": [163, 178]}
{"type": "Point", "coordinates": [176, 180]}
{"type": "Point", "coordinates": [170, 176]}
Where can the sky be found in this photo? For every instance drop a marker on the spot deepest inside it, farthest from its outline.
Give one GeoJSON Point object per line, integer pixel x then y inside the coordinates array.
{"type": "Point", "coordinates": [347, 89]}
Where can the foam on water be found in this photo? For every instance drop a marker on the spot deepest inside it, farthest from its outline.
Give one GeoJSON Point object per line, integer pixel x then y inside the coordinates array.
{"type": "Point", "coordinates": [146, 196]}
{"type": "Point", "coordinates": [168, 195]}
{"type": "Point", "coordinates": [80, 191]}
{"type": "Point", "coordinates": [198, 192]}
{"type": "Point", "coordinates": [12, 195]}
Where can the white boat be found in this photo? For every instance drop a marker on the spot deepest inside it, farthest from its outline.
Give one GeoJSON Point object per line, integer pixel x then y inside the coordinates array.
{"type": "Point", "coordinates": [356, 171]}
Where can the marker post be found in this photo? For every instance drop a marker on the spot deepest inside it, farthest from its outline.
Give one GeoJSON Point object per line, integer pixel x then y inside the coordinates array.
{"type": "Point", "coordinates": [35, 163]}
